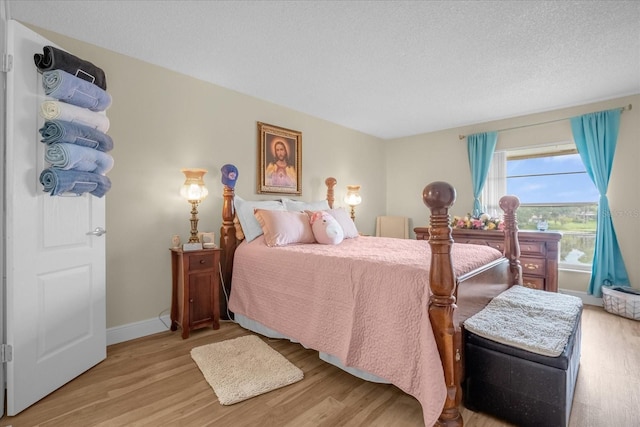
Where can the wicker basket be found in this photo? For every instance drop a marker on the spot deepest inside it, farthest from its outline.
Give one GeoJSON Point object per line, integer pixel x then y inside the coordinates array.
{"type": "Point", "coordinates": [623, 301]}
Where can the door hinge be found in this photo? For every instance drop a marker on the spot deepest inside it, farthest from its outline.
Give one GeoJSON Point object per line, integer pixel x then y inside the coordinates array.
{"type": "Point", "coordinates": [6, 353]}
{"type": "Point", "coordinates": [7, 62]}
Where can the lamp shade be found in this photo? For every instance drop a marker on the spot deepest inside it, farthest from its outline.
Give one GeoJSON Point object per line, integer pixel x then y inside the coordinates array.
{"type": "Point", "coordinates": [352, 198]}
{"type": "Point", "coordinates": [193, 188]}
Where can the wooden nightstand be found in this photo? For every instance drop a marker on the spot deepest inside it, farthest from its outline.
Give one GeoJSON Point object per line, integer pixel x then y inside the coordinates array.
{"type": "Point", "coordinates": [195, 300]}
{"type": "Point", "coordinates": [538, 249]}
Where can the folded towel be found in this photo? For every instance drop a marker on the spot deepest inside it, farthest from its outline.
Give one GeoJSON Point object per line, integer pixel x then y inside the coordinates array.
{"type": "Point", "coordinates": [56, 59]}
{"type": "Point", "coordinates": [72, 113]}
{"type": "Point", "coordinates": [70, 156]}
{"type": "Point", "coordinates": [56, 131]}
{"type": "Point", "coordinates": [58, 181]}
{"type": "Point", "coordinates": [68, 88]}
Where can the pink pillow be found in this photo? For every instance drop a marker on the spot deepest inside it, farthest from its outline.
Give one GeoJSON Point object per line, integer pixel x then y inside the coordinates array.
{"type": "Point", "coordinates": [326, 229]}
{"type": "Point", "coordinates": [345, 221]}
{"type": "Point", "coordinates": [283, 228]}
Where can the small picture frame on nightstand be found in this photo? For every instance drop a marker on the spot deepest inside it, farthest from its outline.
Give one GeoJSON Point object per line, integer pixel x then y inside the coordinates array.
{"type": "Point", "coordinates": [208, 239]}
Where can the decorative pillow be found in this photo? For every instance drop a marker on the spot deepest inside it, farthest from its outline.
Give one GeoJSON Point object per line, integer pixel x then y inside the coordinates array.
{"type": "Point", "coordinates": [244, 211]}
{"type": "Point", "coordinates": [283, 228]}
{"type": "Point", "coordinates": [238, 228]}
{"type": "Point", "coordinates": [326, 229]}
{"type": "Point", "coordinates": [295, 205]}
{"type": "Point", "coordinates": [345, 221]}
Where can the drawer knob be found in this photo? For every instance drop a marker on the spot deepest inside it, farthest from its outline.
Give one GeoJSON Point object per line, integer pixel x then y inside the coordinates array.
{"type": "Point", "coordinates": [202, 261]}
{"type": "Point", "coordinates": [531, 266]}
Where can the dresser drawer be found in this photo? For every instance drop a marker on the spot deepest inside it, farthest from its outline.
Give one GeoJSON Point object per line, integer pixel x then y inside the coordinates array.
{"type": "Point", "coordinates": [201, 262]}
{"type": "Point", "coordinates": [533, 266]}
{"type": "Point", "coordinates": [499, 245]}
{"type": "Point", "coordinates": [533, 248]}
{"type": "Point", "coordinates": [533, 282]}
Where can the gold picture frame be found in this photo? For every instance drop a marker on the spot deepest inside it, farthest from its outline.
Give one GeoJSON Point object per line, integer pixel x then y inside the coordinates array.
{"type": "Point", "coordinates": [279, 160]}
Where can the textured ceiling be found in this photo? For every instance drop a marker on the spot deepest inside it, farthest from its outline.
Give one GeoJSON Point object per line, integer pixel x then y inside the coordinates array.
{"type": "Point", "coordinates": [388, 69]}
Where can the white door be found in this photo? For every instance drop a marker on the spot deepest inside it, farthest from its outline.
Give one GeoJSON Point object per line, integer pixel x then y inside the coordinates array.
{"type": "Point", "coordinates": [3, 33]}
{"type": "Point", "coordinates": [55, 271]}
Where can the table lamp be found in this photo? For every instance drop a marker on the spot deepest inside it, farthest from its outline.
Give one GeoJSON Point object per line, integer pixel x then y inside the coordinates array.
{"type": "Point", "coordinates": [194, 191]}
{"type": "Point", "coordinates": [353, 199]}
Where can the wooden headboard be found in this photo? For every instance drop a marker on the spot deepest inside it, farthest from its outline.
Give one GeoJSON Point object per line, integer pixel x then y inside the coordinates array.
{"type": "Point", "coordinates": [229, 239]}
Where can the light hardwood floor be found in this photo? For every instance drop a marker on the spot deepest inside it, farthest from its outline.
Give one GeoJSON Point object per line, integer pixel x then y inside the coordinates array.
{"type": "Point", "coordinates": [152, 381]}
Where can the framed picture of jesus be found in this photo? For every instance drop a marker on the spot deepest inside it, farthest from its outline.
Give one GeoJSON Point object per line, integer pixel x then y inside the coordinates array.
{"type": "Point", "coordinates": [279, 160]}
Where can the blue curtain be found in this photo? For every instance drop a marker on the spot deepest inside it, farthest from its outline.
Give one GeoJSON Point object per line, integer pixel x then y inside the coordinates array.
{"type": "Point", "coordinates": [596, 135]}
{"type": "Point", "coordinates": [480, 148]}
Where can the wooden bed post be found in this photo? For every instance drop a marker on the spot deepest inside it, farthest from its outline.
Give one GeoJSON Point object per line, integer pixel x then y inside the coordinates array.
{"type": "Point", "coordinates": [228, 244]}
{"type": "Point", "coordinates": [330, 183]}
{"type": "Point", "coordinates": [509, 204]}
{"type": "Point", "coordinates": [439, 197]}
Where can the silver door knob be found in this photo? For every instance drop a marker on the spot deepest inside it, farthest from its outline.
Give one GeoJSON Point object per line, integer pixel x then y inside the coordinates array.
{"type": "Point", "coordinates": [99, 231]}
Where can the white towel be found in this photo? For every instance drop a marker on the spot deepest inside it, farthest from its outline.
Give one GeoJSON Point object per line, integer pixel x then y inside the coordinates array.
{"type": "Point", "coordinates": [62, 111]}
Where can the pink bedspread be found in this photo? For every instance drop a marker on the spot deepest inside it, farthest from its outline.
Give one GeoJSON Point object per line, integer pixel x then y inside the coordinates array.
{"type": "Point", "coordinates": [347, 301]}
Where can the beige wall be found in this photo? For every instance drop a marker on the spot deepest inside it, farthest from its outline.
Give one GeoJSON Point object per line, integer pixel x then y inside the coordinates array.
{"type": "Point", "coordinates": [415, 161]}
{"type": "Point", "coordinates": [163, 121]}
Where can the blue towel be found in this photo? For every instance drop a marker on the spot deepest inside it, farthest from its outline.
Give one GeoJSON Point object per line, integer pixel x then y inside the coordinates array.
{"type": "Point", "coordinates": [55, 131]}
{"type": "Point", "coordinates": [53, 58]}
{"type": "Point", "coordinates": [70, 156]}
{"type": "Point", "coordinates": [68, 88]}
{"type": "Point", "coordinates": [58, 181]}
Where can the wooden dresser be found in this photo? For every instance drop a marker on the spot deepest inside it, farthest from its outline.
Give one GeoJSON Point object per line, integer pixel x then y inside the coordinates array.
{"type": "Point", "coordinates": [538, 252]}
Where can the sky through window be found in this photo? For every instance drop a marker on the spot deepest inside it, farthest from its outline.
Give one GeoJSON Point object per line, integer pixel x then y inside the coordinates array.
{"type": "Point", "coordinates": [550, 180]}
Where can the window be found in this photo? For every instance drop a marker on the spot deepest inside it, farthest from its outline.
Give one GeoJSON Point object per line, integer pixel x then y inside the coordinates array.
{"type": "Point", "coordinates": [556, 194]}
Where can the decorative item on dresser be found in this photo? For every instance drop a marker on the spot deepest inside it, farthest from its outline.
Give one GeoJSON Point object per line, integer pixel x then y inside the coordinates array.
{"type": "Point", "coordinates": [539, 252]}
{"type": "Point", "coordinates": [195, 300]}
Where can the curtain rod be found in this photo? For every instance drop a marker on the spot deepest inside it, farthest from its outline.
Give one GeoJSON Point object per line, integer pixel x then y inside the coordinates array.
{"type": "Point", "coordinates": [622, 109]}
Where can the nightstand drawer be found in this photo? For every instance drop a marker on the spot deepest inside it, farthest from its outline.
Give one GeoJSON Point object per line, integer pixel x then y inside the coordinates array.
{"type": "Point", "coordinates": [533, 248]}
{"type": "Point", "coordinates": [201, 262]}
{"type": "Point", "coordinates": [533, 266]}
{"type": "Point", "coordinates": [533, 282]}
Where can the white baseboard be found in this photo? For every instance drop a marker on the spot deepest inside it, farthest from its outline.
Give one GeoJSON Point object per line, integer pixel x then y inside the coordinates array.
{"type": "Point", "coordinates": [140, 329]}
{"type": "Point", "coordinates": [143, 328]}
{"type": "Point", "coordinates": [585, 297]}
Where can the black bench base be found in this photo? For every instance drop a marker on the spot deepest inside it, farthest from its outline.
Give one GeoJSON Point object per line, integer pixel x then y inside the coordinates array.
{"type": "Point", "coordinates": [518, 386]}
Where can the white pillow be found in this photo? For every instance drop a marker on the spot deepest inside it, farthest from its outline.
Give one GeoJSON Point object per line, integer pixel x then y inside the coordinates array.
{"type": "Point", "coordinates": [345, 221]}
{"type": "Point", "coordinates": [244, 211]}
{"type": "Point", "coordinates": [283, 228]}
{"type": "Point", "coordinates": [295, 205]}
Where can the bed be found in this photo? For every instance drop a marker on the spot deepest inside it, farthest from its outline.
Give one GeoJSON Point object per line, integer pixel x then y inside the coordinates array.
{"type": "Point", "coordinates": [383, 309]}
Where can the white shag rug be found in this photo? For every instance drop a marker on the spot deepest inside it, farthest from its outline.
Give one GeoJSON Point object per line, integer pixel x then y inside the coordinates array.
{"type": "Point", "coordinates": [241, 368]}
{"type": "Point", "coordinates": [534, 320]}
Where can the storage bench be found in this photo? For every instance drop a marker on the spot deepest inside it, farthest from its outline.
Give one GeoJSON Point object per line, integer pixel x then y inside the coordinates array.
{"type": "Point", "coordinates": [520, 386]}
